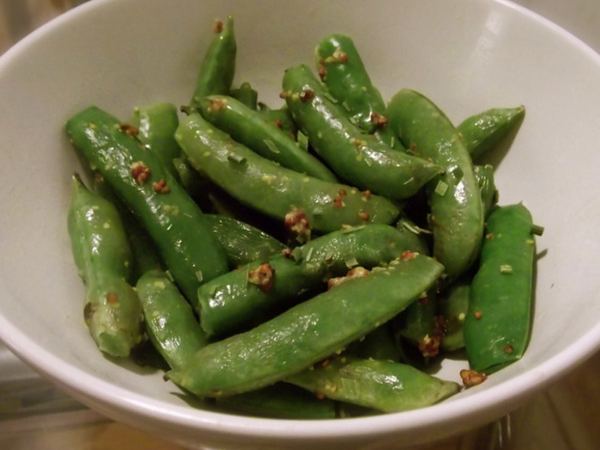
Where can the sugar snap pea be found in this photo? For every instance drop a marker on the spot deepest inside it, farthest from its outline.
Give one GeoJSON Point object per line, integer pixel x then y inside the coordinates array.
{"type": "Point", "coordinates": [484, 130]}
{"type": "Point", "coordinates": [341, 68]}
{"type": "Point", "coordinates": [249, 128]}
{"type": "Point", "coordinates": [173, 220]}
{"type": "Point", "coordinates": [274, 190]}
{"type": "Point", "coordinates": [243, 297]}
{"type": "Point", "coordinates": [308, 332]}
{"type": "Point", "coordinates": [355, 157]}
{"type": "Point", "coordinates": [384, 385]}
{"type": "Point", "coordinates": [456, 210]}
{"type": "Point", "coordinates": [217, 69]}
{"type": "Point", "coordinates": [497, 325]}
{"type": "Point", "coordinates": [102, 255]}
{"type": "Point", "coordinates": [169, 319]}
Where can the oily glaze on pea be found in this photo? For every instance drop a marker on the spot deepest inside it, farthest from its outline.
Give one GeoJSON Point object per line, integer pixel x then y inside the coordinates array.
{"type": "Point", "coordinates": [275, 190]}
{"type": "Point", "coordinates": [358, 158]}
{"type": "Point", "coordinates": [99, 245]}
{"type": "Point", "coordinates": [172, 218]}
{"type": "Point", "coordinates": [498, 322]}
{"type": "Point", "coordinates": [456, 210]}
{"type": "Point", "coordinates": [308, 332]}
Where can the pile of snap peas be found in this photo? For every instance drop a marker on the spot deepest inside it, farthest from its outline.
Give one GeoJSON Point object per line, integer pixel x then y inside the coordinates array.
{"type": "Point", "coordinates": [306, 261]}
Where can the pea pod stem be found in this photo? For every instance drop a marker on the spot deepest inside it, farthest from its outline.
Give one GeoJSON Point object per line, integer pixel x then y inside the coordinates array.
{"type": "Point", "coordinates": [308, 332]}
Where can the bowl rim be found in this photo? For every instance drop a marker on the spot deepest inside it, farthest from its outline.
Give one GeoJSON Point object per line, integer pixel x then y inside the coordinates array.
{"type": "Point", "coordinates": [96, 391]}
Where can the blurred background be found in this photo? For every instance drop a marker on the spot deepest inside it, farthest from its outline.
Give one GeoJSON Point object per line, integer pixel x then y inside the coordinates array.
{"type": "Point", "coordinates": [35, 415]}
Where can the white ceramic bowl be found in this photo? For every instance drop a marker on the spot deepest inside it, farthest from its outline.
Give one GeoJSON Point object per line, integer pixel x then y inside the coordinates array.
{"type": "Point", "coordinates": [467, 55]}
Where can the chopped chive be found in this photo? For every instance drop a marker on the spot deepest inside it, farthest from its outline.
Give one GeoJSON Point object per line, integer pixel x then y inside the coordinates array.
{"type": "Point", "coordinates": [234, 157]}
{"type": "Point", "coordinates": [271, 145]}
{"type": "Point", "coordinates": [538, 230]}
{"type": "Point", "coordinates": [441, 188]}
{"type": "Point", "coordinates": [506, 268]}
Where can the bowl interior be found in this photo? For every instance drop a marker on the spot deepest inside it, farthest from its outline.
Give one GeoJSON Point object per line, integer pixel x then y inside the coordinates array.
{"type": "Point", "coordinates": [467, 55]}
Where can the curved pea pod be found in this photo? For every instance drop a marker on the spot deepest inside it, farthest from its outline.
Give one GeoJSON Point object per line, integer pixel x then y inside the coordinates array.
{"type": "Point", "coordinates": [171, 217]}
{"type": "Point", "coordinates": [384, 385]}
{"type": "Point", "coordinates": [456, 210]}
{"type": "Point", "coordinates": [280, 401]}
{"type": "Point", "coordinates": [343, 72]}
{"type": "Point", "coordinates": [308, 203]}
{"type": "Point", "coordinates": [102, 255]}
{"type": "Point", "coordinates": [308, 332]}
{"type": "Point", "coordinates": [169, 319]}
{"type": "Point", "coordinates": [453, 306]}
{"type": "Point", "coordinates": [354, 156]}
{"type": "Point", "coordinates": [378, 344]}
{"type": "Point", "coordinates": [487, 186]}
{"type": "Point", "coordinates": [217, 69]}
{"type": "Point", "coordinates": [482, 132]}
{"type": "Point", "coordinates": [258, 290]}
{"type": "Point", "coordinates": [243, 243]}
{"type": "Point", "coordinates": [497, 325]}
{"type": "Point", "coordinates": [249, 128]}
{"type": "Point", "coordinates": [156, 125]}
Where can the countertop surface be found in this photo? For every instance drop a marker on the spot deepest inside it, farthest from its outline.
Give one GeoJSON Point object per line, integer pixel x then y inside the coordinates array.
{"type": "Point", "coordinates": [36, 415]}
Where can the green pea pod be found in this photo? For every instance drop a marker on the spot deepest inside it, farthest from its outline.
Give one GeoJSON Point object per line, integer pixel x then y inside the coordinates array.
{"type": "Point", "coordinates": [102, 255]}
{"type": "Point", "coordinates": [246, 95]}
{"type": "Point", "coordinates": [217, 69]}
{"type": "Point", "coordinates": [280, 401]}
{"type": "Point", "coordinates": [282, 119]}
{"type": "Point", "coordinates": [453, 306]}
{"type": "Point", "coordinates": [341, 68]}
{"type": "Point", "coordinates": [489, 193]}
{"type": "Point", "coordinates": [156, 126]}
{"type": "Point", "coordinates": [454, 198]}
{"type": "Point", "coordinates": [497, 324]}
{"type": "Point", "coordinates": [384, 385]}
{"type": "Point", "coordinates": [172, 218]}
{"type": "Point", "coordinates": [144, 254]}
{"type": "Point", "coordinates": [239, 299]}
{"type": "Point", "coordinates": [481, 132]}
{"type": "Point", "coordinates": [353, 156]}
{"type": "Point", "coordinates": [308, 332]}
{"type": "Point", "coordinates": [274, 190]}
{"type": "Point", "coordinates": [249, 128]}
{"type": "Point", "coordinates": [170, 321]}
{"type": "Point", "coordinates": [243, 243]}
